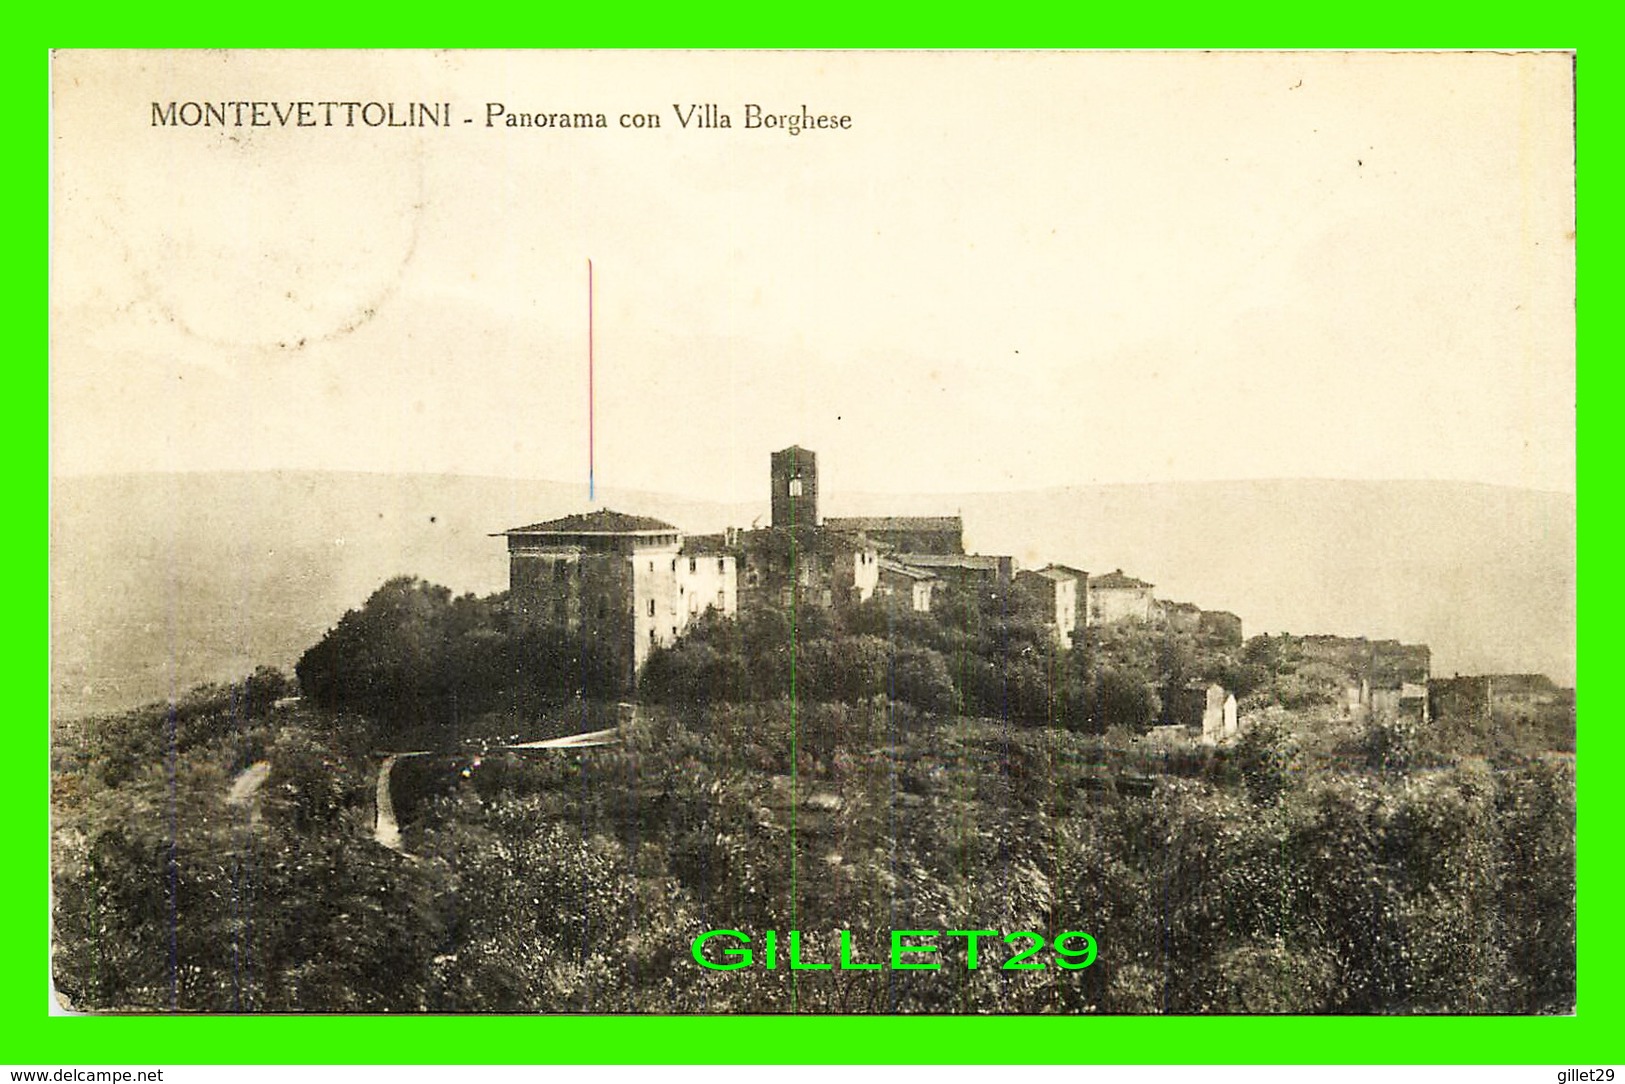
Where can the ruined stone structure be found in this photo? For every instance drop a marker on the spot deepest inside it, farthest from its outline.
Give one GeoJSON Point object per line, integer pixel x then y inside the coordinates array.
{"type": "Point", "coordinates": [1204, 706]}
{"type": "Point", "coordinates": [1477, 697]}
{"type": "Point", "coordinates": [1180, 616]}
{"type": "Point", "coordinates": [1384, 677]}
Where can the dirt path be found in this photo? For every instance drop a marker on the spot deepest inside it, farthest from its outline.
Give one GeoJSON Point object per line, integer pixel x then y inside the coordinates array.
{"type": "Point", "coordinates": [386, 831]}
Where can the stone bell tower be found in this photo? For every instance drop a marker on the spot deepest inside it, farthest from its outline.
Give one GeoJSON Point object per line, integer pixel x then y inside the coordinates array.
{"type": "Point", "coordinates": [795, 488]}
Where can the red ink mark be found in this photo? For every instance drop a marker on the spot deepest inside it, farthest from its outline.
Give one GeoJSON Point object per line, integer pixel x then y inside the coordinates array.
{"type": "Point", "coordinates": [590, 447]}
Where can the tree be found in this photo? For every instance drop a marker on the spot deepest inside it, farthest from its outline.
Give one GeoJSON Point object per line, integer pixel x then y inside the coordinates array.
{"type": "Point", "coordinates": [1122, 699]}
{"type": "Point", "coordinates": [1267, 758]}
{"type": "Point", "coordinates": [414, 655]}
{"type": "Point", "coordinates": [920, 677]}
{"type": "Point", "coordinates": [382, 657]}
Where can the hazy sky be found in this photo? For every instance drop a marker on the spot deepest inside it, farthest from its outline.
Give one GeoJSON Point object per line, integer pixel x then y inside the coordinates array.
{"type": "Point", "coordinates": [1011, 271]}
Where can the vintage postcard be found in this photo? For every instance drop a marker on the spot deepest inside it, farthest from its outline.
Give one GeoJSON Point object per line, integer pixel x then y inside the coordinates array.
{"type": "Point", "coordinates": [813, 532]}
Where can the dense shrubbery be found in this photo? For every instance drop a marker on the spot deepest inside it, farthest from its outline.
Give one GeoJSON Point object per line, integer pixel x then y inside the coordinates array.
{"type": "Point", "coordinates": [1266, 757]}
{"type": "Point", "coordinates": [969, 655]}
{"type": "Point", "coordinates": [112, 749]}
{"type": "Point", "coordinates": [577, 881]}
{"type": "Point", "coordinates": [413, 654]}
{"type": "Point", "coordinates": [857, 771]}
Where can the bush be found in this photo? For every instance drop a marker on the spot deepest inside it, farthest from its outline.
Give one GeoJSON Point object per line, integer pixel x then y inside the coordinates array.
{"type": "Point", "coordinates": [920, 677]}
{"type": "Point", "coordinates": [1267, 758]}
{"type": "Point", "coordinates": [1392, 743]}
{"type": "Point", "coordinates": [1116, 698]}
{"type": "Point", "coordinates": [413, 654]}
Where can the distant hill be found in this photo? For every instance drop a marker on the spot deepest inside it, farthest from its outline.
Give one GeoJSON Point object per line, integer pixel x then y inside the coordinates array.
{"type": "Point", "coordinates": [159, 582]}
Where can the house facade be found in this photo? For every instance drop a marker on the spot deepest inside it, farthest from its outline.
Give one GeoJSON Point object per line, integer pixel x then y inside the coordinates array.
{"type": "Point", "coordinates": [1117, 596]}
{"type": "Point", "coordinates": [805, 566]}
{"type": "Point", "coordinates": [1053, 596]}
{"type": "Point", "coordinates": [907, 587]}
{"type": "Point", "coordinates": [622, 579]}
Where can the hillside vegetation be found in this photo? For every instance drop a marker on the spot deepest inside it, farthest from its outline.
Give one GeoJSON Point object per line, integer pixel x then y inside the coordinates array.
{"type": "Point", "coordinates": [866, 772]}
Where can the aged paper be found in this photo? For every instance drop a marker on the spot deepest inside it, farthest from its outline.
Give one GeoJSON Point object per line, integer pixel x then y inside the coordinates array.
{"type": "Point", "coordinates": [1284, 337]}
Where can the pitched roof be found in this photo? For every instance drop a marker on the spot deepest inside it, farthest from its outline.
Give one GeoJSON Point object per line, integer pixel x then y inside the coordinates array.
{"type": "Point", "coordinates": [1116, 579]}
{"type": "Point", "coordinates": [602, 521]}
{"type": "Point", "coordinates": [896, 568]}
{"type": "Point", "coordinates": [951, 560]}
{"type": "Point", "coordinates": [894, 523]}
{"type": "Point", "coordinates": [706, 545]}
{"type": "Point", "coordinates": [1076, 573]}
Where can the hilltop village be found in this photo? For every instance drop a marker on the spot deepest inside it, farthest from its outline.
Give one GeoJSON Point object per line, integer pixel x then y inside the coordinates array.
{"type": "Point", "coordinates": [853, 721]}
{"type": "Point", "coordinates": [638, 583]}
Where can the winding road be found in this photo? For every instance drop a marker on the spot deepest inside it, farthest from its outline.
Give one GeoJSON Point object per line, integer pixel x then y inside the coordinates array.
{"type": "Point", "coordinates": [387, 830]}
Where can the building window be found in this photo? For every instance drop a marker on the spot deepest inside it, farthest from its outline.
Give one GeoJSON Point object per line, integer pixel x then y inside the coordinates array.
{"type": "Point", "coordinates": [651, 636]}
{"type": "Point", "coordinates": [795, 487]}
{"type": "Point", "coordinates": [722, 600]}
{"type": "Point", "coordinates": [651, 566]}
{"type": "Point", "coordinates": [674, 564]}
{"type": "Point", "coordinates": [722, 564]}
{"type": "Point", "coordinates": [651, 607]}
{"type": "Point", "coordinates": [693, 564]}
{"type": "Point", "coordinates": [674, 632]}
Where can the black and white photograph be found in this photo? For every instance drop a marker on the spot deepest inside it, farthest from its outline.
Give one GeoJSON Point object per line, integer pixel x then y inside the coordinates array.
{"type": "Point", "coordinates": [822, 532]}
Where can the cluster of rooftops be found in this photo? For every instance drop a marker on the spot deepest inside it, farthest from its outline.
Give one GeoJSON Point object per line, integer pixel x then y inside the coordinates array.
{"type": "Point", "coordinates": [587, 529]}
{"type": "Point", "coordinates": [830, 561]}
{"type": "Point", "coordinates": [904, 556]}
